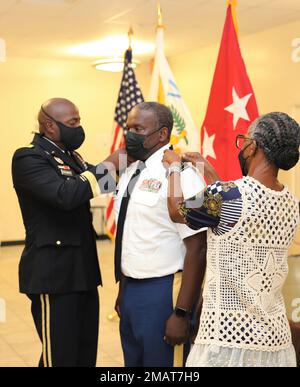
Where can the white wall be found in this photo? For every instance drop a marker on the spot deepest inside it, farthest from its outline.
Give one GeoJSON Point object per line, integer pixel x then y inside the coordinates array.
{"type": "Point", "coordinates": [26, 83]}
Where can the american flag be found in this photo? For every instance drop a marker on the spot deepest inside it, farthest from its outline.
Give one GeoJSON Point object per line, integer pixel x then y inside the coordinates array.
{"type": "Point", "coordinates": [129, 95]}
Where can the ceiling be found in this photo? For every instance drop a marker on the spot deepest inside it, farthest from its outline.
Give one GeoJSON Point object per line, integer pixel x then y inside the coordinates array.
{"type": "Point", "coordinates": [46, 28]}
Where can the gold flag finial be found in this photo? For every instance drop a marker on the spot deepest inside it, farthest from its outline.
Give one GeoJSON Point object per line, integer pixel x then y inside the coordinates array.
{"type": "Point", "coordinates": [159, 13]}
{"type": "Point", "coordinates": [233, 4]}
{"type": "Point", "coordinates": [130, 35]}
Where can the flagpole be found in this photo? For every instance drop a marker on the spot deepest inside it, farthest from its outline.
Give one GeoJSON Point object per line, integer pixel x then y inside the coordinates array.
{"type": "Point", "coordinates": [130, 36]}
{"type": "Point", "coordinates": [117, 138]}
{"type": "Point", "coordinates": [159, 16]}
{"type": "Point", "coordinates": [233, 4]}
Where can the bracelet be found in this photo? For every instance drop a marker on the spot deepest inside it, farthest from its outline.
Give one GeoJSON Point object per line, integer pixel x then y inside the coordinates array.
{"type": "Point", "coordinates": [173, 169]}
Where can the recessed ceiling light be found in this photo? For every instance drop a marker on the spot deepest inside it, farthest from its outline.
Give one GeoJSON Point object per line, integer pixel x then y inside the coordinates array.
{"type": "Point", "coordinates": [114, 65]}
{"type": "Point", "coordinates": [111, 46]}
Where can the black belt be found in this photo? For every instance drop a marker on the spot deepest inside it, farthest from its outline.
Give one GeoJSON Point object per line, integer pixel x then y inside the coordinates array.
{"type": "Point", "coordinates": [137, 280]}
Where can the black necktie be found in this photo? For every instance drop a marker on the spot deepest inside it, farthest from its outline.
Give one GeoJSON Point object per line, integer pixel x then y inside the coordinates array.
{"type": "Point", "coordinates": [122, 217]}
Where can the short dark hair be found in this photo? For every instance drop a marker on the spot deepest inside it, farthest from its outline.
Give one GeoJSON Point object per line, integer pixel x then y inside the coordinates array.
{"type": "Point", "coordinates": [164, 117]}
{"type": "Point", "coordinates": [279, 137]}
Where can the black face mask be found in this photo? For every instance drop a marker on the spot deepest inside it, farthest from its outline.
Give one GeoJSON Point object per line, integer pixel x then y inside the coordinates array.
{"type": "Point", "coordinates": [71, 138]}
{"type": "Point", "coordinates": [243, 162]}
{"type": "Point", "coordinates": [135, 145]}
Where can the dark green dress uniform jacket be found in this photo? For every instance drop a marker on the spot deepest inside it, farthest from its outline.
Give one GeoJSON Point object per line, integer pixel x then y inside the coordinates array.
{"type": "Point", "coordinates": [54, 191]}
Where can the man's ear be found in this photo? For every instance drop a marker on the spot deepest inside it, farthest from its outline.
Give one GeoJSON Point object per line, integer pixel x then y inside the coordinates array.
{"type": "Point", "coordinates": [49, 126]}
{"type": "Point", "coordinates": [164, 134]}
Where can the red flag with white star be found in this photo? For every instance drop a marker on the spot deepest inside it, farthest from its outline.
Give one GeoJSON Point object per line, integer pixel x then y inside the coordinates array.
{"type": "Point", "coordinates": [232, 104]}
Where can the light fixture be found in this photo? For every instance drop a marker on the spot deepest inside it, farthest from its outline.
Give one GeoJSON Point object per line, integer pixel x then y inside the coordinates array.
{"type": "Point", "coordinates": [112, 46]}
{"type": "Point", "coordinates": [114, 65]}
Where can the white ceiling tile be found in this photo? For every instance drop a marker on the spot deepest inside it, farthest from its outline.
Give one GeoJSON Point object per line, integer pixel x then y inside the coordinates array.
{"type": "Point", "coordinates": [6, 4]}
{"type": "Point", "coordinates": [46, 27]}
{"type": "Point", "coordinates": [244, 5]}
{"type": "Point", "coordinates": [285, 4]}
{"type": "Point", "coordinates": [264, 18]}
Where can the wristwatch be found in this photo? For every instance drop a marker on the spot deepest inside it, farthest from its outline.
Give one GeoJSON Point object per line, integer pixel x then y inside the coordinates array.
{"type": "Point", "coordinates": [183, 313]}
{"type": "Point", "coordinates": [174, 168]}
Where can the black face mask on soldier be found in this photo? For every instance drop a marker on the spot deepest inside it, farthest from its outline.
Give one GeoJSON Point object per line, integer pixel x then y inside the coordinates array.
{"type": "Point", "coordinates": [71, 138]}
{"type": "Point", "coordinates": [135, 145]}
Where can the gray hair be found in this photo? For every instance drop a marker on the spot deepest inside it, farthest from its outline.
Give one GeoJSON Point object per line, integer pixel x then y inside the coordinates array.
{"type": "Point", "coordinates": [279, 137]}
{"type": "Point", "coordinates": [163, 114]}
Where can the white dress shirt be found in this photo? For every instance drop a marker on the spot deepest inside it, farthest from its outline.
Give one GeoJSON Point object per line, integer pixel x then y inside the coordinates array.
{"type": "Point", "coordinates": [53, 143]}
{"type": "Point", "coordinates": [152, 244]}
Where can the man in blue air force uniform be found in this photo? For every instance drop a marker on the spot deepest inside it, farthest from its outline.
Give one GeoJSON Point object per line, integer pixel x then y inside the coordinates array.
{"type": "Point", "coordinates": [156, 261]}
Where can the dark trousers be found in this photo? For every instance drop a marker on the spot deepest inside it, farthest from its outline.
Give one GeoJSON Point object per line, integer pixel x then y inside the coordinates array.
{"type": "Point", "coordinates": [146, 306]}
{"type": "Point", "coordinates": [67, 325]}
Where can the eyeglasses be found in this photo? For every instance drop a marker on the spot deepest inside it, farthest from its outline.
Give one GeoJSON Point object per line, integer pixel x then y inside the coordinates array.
{"type": "Point", "coordinates": [241, 141]}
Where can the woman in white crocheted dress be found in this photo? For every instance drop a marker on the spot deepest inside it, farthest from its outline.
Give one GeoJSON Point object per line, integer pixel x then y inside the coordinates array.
{"type": "Point", "coordinates": [251, 225]}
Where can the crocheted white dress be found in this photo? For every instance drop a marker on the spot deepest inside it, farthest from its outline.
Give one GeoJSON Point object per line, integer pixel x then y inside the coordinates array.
{"type": "Point", "coordinates": [243, 321]}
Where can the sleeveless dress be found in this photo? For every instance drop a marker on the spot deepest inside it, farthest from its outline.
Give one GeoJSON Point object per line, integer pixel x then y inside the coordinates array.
{"type": "Point", "coordinates": [243, 321]}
